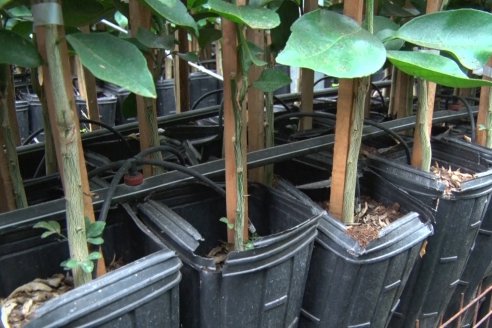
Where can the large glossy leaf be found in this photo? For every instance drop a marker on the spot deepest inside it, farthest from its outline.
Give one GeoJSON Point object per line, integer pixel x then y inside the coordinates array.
{"type": "Point", "coordinates": [466, 33]}
{"type": "Point", "coordinates": [435, 68]}
{"type": "Point", "coordinates": [385, 30]}
{"type": "Point", "coordinates": [259, 18]}
{"type": "Point", "coordinates": [175, 12]}
{"type": "Point", "coordinates": [150, 40]}
{"type": "Point", "coordinates": [3, 3]}
{"type": "Point", "coordinates": [114, 60]}
{"type": "Point", "coordinates": [16, 50]}
{"type": "Point", "coordinates": [80, 13]}
{"type": "Point", "coordinates": [333, 44]}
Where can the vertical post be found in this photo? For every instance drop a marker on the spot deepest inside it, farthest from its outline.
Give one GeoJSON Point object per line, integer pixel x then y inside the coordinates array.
{"type": "Point", "coordinates": [256, 108]}
{"type": "Point", "coordinates": [234, 143]}
{"type": "Point", "coordinates": [140, 16]}
{"type": "Point", "coordinates": [421, 154]}
{"type": "Point", "coordinates": [8, 203]}
{"type": "Point", "coordinates": [348, 120]}
{"type": "Point", "coordinates": [484, 134]}
{"type": "Point", "coordinates": [87, 88]}
{"type": "Point", "coordinates": [6, 103]}
{"type": "Point", "coordinates": [401, 97]}
{"type": "Point", "coordinates": [50, 34]}
{"type": "Point", "coordinates": [181, 74]}
{"type": "Point", "coordinates": [307, 80]}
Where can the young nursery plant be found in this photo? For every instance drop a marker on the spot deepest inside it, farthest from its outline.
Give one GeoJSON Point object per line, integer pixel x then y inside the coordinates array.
{"type": "Point", "coordinates": [336, 45]}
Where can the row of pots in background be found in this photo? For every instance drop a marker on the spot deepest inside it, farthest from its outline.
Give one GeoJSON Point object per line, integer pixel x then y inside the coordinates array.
{"type": "Point", "coordinates": [347, 285]}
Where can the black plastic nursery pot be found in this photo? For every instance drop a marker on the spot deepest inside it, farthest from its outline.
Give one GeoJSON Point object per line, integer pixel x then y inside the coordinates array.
{"type": "Point", "coordinates": [480, 258]}
{"type": "Point", "coordinates": [260, 287]}
{"type": "Point", "coordinates": [457, 221]}
{"type": "Point", "coordinates": [351, 286]}
{"type": "Point", "coordinates": [22, 114]}
{"type": "Point", "coordinates": [166, 101]}
{"type": "Point", "coordinates": [141, 293]}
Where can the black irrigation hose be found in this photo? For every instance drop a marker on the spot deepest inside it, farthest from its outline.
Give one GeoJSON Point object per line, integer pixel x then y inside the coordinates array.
{"type": "Point", "coordinates": [321, 80]}
{"type": "Point", "coordinates": [117, 164]}
{"type": "Point", "coordinates": [281, 102]}
{"type": "Point", "coordinates": [468, 108]}
{"type": "Point", "coordinates": [380, 93]}
{"type": "Point", "coordinates": [155, 149]}
{"type": "Point", "coordinates": [368, 122]}
{"type": "Point", "coordinates": [205, 95]}
{"type": "Point", "coordinates": [87, 121]}
{"type": "Point", "coordinates": [31, 137]}
{"type": "Point", "coordinates": [128, 164]}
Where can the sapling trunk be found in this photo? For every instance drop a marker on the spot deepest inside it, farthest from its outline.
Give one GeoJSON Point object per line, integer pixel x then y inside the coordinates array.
{"type": "Point", "coordinates": [49, 145]}
{"type": "Point", "coordinates": [56, 76]}
{"type": "Point", "coordinates": [140, 16]}
{"type": "Point", "coordinates": [9, 139]}
{"type": "Point", "coordinates": [269, 135]}
{"type": "Point", "coordinates": [488, 144]}
{"type": "Point", "coordinates": [348, 136]}
{"type": "Point", "coordinates": [423, 124]}
{"type": "Point", "coordinates": [238, 92]}
{"type": "Point", "coordinates": [357, 127]}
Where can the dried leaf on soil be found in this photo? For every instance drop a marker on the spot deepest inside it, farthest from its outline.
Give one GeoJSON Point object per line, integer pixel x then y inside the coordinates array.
{"type": "Point", "coordinates": [452, 179]}
{"type": "Point", "coordinates": [373, 217]}
{"type": "Point", "coordinates": [18, 307]}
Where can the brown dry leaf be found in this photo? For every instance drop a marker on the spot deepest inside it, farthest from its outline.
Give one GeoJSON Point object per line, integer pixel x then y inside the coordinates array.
{"type": "Point", "coordinates": [371, 219]}
{"type": "Point", "coordinates": [219, 253]}
{"type": "Point", "coordinates": [23, 301]}
{"type": "Point", "coordinates": [452, 179]}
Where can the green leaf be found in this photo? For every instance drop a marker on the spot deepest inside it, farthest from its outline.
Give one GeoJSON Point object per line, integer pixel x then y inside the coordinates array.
{"type": "Point", "coordinates": [18, 51]}
{"type": "Point", "coordinates": [114, 60]}
{"type": "Point", "coordinates": [52, 226]}
{"type": "Point", "coordinates": [80, 13]}
{"type": "Point", "coordinates": [120, 19]}
{"type": "Point", "coordinates": [47, 234]}
{"type": "Point", "coordinates": [23, 28]}
{"type": "Point", "coordinates": [3, 3]}
{"type": "Point", "coordinates": [95, 240]}
{"type": "Point", "coordinates": [230, 226]}
{"type": "Point", "coordinates": [271, 79]}
{"type": "Point", "coordinates": [388, 8]}
{"type": "Point", "coordinates": [333, 44]}
{"type": "Point", "coordinates": [87, 266]}
{"type": "Point", "coordinates": [95, 229]}
{"type": "Point", "coordinates": [189, 56]}
{"type": "Point", "coordinates": [150, 40]}
{"type": "Point", "coordinates": [175, 12]}
{"type": "Point", "coordinates": [208, 35]}
{"type": "Point", "coordinates": [464, 32]}
{"type": "Point", "coordinates": [385, 30]}
{"type": "Point", "coordinates": [435, 68]}
{"type": "Point", "coordinates": [249, 53]}
{"type": "Point", "coordinates": [69, 264]}
{"type": "Point", "coordinates": [258, 18]}
{"type": "Point", "coordinates": [289, 13]}
{"type": "Point", "coordinates": [95, 256]}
